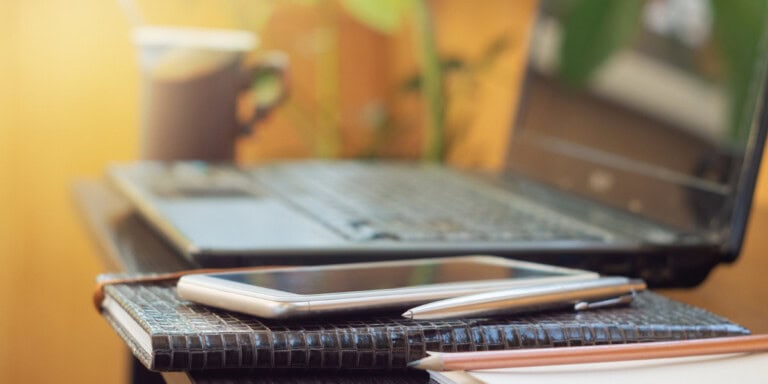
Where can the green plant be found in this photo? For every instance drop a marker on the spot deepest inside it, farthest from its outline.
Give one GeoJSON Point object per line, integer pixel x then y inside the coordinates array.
{"type": "Point", "coordinates": [387, 17]}
{"type": "Point", "coordinates": [463, 72]}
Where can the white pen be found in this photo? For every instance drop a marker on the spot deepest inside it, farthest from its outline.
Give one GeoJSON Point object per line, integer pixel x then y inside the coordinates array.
{"type": "Point", "coordinates": [579, 295]}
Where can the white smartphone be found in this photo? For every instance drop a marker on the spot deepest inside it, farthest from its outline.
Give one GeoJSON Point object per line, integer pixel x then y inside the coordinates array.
{"type": "Point", "coordinates": [293, 292]}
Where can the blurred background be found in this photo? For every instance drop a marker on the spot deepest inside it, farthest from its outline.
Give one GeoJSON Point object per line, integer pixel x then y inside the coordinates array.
{"type": "Point", "coordinates": [69, 105]}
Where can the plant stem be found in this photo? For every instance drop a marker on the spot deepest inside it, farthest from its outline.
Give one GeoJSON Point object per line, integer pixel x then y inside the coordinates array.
{"type": "Point", "coordinates": [432, 86]}
{"type": "Point", "coordinates": [328, 144]}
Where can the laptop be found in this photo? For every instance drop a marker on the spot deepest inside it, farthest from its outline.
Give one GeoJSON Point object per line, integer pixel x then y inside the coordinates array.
{"type": "Point", "coordinates": [643, 165]}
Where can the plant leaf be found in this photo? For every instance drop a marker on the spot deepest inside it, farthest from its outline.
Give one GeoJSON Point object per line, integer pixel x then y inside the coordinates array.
{"type": "Point", "coordinates": [382, 15]}
{"type": "Point", "coordinates": [592, 31]}
{"type": "Point", "coordinates": [450, 64]}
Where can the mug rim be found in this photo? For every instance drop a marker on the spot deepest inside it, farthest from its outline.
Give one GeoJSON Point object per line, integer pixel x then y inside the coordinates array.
{"type": "Point", "coordinates": [206, 38]}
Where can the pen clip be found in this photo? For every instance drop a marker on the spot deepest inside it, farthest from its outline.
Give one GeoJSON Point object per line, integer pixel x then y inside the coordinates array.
{"type": "Point", "coordinates": [624, 299]}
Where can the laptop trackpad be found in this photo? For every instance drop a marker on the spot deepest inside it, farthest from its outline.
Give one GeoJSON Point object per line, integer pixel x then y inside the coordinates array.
{"type": "Point", "coordinates": [236, 224]}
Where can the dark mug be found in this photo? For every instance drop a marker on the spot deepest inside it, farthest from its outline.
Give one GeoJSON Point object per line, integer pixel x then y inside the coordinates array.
{"type": "Point", "coordinates": [192, 80]}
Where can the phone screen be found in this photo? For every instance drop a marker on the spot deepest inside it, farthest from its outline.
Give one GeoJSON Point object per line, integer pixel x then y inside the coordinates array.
{"type": "Point", "coordinates": [320, 281]}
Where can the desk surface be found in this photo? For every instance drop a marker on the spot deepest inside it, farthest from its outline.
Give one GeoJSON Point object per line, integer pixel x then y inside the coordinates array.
{"type": "Point", "coordinates": [738, 291]}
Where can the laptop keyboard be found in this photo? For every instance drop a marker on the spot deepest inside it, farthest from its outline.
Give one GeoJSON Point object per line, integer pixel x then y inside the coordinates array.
{"type": "Point", "coordinates": [415, 203]}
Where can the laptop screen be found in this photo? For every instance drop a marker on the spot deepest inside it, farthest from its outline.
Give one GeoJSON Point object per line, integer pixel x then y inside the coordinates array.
{"type": "Point", "coordinates": [649, 107]}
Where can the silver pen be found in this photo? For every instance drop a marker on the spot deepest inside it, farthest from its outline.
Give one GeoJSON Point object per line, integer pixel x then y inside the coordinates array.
{"type": "Point", "coordinates": [579, 295]}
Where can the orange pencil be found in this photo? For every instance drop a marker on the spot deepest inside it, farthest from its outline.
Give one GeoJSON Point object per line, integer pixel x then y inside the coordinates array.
{"type": "Point", "coordinates": [589, 354]}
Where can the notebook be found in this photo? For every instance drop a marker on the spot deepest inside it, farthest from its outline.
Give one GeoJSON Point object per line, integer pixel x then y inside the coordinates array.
{"type": "Point", "coordinates": [645, 167]}
{"type": "Point", "coordinates": [167, 333]}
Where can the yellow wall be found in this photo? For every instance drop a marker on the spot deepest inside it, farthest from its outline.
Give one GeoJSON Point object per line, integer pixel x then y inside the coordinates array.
{"type": "Point", "coordinates": [71, 111]}
{"type": "Point", "coordinates": [68, 86]}
{"type": "Point", "coordinates": [6, 69]}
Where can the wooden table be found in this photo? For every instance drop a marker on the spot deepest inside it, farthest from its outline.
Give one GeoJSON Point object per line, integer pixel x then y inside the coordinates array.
{"type": "Point", "coordinates": [738, 291]}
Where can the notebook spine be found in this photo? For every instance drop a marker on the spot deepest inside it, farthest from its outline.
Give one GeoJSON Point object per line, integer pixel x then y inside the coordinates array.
{"type": "Point", "coordinates": [386, 348]}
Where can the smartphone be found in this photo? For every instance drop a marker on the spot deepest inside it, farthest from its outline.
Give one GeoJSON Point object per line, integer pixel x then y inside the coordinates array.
{"type": "Point", "coordinates": [294, 292]}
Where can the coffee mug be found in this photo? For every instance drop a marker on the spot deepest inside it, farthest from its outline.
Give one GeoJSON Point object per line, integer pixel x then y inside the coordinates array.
{"type": "Point", "coordinates": [192, 81]}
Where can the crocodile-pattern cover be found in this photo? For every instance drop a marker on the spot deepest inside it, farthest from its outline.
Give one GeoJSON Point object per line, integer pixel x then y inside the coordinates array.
{"type": "Point", "coordinates": [188, 336]}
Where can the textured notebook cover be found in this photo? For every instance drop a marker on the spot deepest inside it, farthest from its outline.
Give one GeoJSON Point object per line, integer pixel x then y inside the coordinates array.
{"type": "Point", "coordinates": [187, 336]}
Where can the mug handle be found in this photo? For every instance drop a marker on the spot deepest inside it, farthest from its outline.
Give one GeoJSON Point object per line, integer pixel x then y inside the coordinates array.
{"type": "Point", "coordinates": [271, 67]}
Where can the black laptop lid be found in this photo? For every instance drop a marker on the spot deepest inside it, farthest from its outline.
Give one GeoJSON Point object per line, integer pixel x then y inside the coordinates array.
{"type": "Point", "coordinates": [651, 107]}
